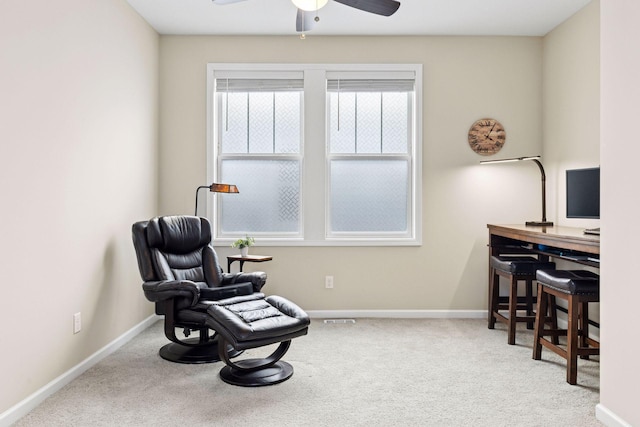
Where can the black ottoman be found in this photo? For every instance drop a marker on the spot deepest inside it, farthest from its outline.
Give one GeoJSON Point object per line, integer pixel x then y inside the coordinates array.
{"type": "Point", "coordinates": [251, 321]}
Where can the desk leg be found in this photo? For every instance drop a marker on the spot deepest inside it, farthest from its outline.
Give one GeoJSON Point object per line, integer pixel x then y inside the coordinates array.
{"type": "Point", "coordinates": [229, 262]}
{"type": "Point", "coordinates": [241, 265]}
{"type": "Point", "coordinates": [493, 285]}
{"type": "Point", "coordinates": [490, 287]}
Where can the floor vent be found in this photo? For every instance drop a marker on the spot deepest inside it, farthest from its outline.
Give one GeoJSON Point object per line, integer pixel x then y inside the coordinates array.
{"type": "Point", "coordinates": [340, 321]}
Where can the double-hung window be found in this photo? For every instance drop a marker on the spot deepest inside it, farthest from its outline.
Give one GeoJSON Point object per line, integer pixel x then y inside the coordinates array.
{"type": "Point", "coordinates": [322, 154]}
{"type": "Point", "coordinates": [369, 156]}
{"type": "Point", "coordinates": [260, 133]}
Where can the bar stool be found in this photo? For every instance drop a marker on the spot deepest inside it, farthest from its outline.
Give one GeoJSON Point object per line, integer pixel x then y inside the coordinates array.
{"type": "Point", "coordinates": [515, 269]}
{"type": "Point", "coordinates": [578, 288]}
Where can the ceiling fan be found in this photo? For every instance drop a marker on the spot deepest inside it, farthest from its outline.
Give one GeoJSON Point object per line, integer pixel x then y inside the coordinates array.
{"type": "Point", "coordinates": [307, 16]}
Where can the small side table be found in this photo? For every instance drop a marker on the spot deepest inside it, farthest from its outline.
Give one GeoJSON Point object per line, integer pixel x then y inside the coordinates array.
{"type": "Point", "coordinates": [249, 258]}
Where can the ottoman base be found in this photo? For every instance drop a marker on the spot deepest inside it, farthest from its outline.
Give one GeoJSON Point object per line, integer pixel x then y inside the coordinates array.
{"type": "Point", "coordinates": [274, 374]}
{"type": "Point", "coordinates": [256, 372]}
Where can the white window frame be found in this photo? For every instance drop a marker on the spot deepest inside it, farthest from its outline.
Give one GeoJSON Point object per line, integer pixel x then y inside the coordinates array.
{"type": "Point", "coordinates": [314, 215]}
{"type": "Point", "coordinates": [408, 156]}
{"type": "Point", "coordinates": [260, 81]}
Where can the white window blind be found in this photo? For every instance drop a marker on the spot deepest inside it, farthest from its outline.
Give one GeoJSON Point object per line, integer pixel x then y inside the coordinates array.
{"type": "Point", "coordinates": [259, 85]}
{"type": "Point", "coordinates": [351, 85]}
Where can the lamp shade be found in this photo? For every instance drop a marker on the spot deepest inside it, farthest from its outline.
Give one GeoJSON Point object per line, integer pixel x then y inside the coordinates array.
{"type": "Point", "coordinates": [515, 159]}
{"type": "Point", "coordinates": [223, 188]}
{"type": "Point", "coordinates": [310, 5]}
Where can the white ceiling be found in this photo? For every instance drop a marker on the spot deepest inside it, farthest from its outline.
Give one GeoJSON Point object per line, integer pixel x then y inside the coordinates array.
{"type": "Point", "coordinates": [415, 17]}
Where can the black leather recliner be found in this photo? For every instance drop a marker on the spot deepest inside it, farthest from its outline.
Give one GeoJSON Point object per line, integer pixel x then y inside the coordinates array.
{"type": "Point", "coordinates": [183, 278]}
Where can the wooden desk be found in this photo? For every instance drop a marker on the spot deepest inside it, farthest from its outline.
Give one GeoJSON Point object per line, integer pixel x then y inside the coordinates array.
{"type": "Point", "coordinates": [250, 258]}
{"type": "Point", "coordinates": [568, 243]}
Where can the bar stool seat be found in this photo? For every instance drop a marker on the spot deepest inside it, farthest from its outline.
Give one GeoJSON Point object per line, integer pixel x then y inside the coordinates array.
{"type": "Point", "coordinates": [578, 288]}
{"type": "Point", "coordinates": [515, 269]}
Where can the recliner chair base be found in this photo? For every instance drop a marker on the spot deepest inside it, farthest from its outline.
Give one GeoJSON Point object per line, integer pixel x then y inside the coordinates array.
{"type": "Point", "coordinates": [200, 353]}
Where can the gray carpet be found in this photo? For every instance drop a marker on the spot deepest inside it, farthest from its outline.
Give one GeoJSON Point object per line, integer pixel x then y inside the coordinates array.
{"type": "Point", "coordinates": [376, 372]}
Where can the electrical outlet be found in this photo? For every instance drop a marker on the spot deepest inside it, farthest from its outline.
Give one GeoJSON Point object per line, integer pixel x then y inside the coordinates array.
{"type": "Point", "coordinates": [77, 322]}
{"type": "Point", "coordinates": [328, 282]}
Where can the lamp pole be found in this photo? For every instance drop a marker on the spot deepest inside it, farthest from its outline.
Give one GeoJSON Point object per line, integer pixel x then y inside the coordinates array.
{"type": "Point", "coordinates": [544, 221]}
{"type": "Point", "coordinates": [543, 177]}
{"type": "Point", "coordinates": [195, 213]}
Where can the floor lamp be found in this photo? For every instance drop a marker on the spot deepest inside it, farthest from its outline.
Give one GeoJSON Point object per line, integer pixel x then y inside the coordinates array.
{"type": "Point", "coordinates": [544, 221]}
{"type": "Point", "coordinates": [216, 188]}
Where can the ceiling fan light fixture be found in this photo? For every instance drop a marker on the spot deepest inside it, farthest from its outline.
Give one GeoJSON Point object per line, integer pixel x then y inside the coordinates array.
{"type": "Point", "coordinates": [309, 5]}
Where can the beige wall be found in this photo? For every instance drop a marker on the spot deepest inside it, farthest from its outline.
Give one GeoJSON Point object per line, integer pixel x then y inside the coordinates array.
{"type": "Point", "coordinates": [619, 150]}
{"type": "Point", "coordinates": [571, 105]}
{"type": "Point", "coordinates": [78, 154]}
{"type": "Point", "coordinates": [465, 79]}
{"type": "Point", "coordinates": [571, 113]}
{"type": "Point", "coordinates": [596, 50]}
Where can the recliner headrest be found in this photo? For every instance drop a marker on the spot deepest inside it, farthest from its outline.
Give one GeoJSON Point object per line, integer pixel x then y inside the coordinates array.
{"type": "Point", "coordinates": [178, 234]}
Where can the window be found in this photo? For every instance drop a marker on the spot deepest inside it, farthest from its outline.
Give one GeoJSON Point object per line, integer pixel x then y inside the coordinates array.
{"type": "Point", "coordinates": [259, 131]}
{"type": "Point", "coordinates": [321, 154]}
{"type": "Point", "coordinates": [370, 157]}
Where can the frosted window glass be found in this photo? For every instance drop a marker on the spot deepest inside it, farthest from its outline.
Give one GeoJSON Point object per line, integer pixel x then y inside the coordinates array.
{"type": "Point", "coordinates": [287, 122]}
{"type": "Point", "coordinates": [369, 122]}
{"type": "Point", "coordinates": [342, 128]}
{"type": "Point", "coordinates": [234, 122]}
{"type": "Point", "coordinates": [261, 122]}
{"type": "Point", "coordinates": [269, 198]}
{"type": "Point", "coordinates": [369, 195]}
{"type": "Point", "coordinates": [395, 122]}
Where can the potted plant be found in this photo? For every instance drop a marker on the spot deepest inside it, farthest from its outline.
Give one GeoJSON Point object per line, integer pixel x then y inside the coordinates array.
{"type": "Point", "coordinates": [243, 244]}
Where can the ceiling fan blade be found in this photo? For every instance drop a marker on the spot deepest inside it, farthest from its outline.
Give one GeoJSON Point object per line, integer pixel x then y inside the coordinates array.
{"type": "Point", "coordinates": [223, 2]}
{"type": "Point", "coordinates": [305, 21]}
{"type": "Point", "coordinates": [379, 7]}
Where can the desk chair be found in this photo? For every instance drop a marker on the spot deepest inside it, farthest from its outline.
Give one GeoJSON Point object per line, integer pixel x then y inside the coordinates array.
{"type": "Point", "coordinates": [578, 288]}
{"type": "Point", "coordinates": [515, 269]}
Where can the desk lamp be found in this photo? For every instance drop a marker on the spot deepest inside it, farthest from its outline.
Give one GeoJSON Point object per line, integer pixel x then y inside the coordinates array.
{"type": "Point", "coordinates": [216, 188]}
{"type": "Point", "coordinates": [544, 221]}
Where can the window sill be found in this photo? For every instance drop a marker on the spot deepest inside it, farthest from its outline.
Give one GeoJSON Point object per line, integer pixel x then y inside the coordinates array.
{"type": "Point", "coordinates": [333, 242]}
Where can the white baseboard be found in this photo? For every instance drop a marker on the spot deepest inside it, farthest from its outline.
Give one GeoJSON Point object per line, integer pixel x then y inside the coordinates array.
{"type": "Point", "coordinates": [418, 314]}
{"type": "Point", "coordinates": [22, 408]}
{"type": "Point", "coordinates": [608, 418]}
{"type": "Point", "coordinates": [398, 314]}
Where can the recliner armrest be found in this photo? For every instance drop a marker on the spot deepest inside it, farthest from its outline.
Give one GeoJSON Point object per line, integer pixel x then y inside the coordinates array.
{"type": "Point", "coordinates": [215, 294]}
{"type": "Point", "coordinates": [256, 278]}
{"type": "Point", "coordinates": [165, 289]}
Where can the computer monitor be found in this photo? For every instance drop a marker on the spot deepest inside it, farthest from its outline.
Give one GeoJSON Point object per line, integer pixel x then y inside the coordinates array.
{"type": "Point", "coordinates": [583, 193]}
